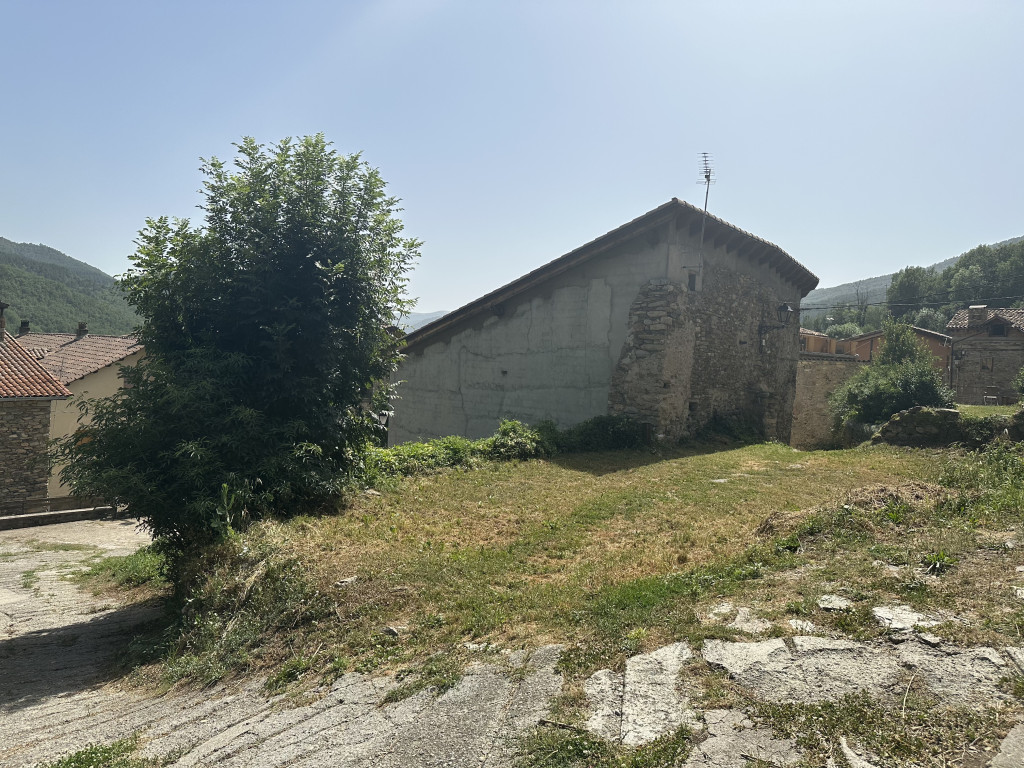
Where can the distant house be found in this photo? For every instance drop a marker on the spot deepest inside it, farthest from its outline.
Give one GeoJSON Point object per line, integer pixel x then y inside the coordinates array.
{"type": "Point", "coordinates": [816, 342]}
{"type": "Point", "coordinates": [27, 393]}
{"type": "Point", "coordinates": [87, 364]}
{"type": "Point", "coordinates": [987, 353]}
{"type": "Point", "coordinates": [641, 322]}
{"type": "Point", "coordinates": [866, 345]}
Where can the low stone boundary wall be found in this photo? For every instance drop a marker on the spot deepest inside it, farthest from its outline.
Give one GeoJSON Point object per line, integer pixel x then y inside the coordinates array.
{"type": "Point", "coordinates": [818, 375]}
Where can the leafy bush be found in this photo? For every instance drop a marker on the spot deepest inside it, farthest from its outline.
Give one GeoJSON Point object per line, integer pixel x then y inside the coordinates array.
{"type": "Point", "coordinates": [1018, 382]}
{"type": "Point", "coordinates": [901, 376]}
{"type": "Point", "coordinates": [601, 433]}
{"type": "Point", "coordinates": [513, 440]}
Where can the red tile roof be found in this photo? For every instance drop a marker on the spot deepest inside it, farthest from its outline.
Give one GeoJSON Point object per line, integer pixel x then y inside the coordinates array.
{"type": "Point", "coordinates": [1014, 317]}
{"type": "Point", "coordinates": [809, 332]}
{"type": "Point", "coordinates": [21, 376]}
{"type": "Point", "coordinates": [77, 356]}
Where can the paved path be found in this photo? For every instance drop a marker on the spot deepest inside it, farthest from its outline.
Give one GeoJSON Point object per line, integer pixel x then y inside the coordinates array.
{"type": "Point", "coordinates": [56, 692]}
{"type": "Point", "coordinates": [58, 687]}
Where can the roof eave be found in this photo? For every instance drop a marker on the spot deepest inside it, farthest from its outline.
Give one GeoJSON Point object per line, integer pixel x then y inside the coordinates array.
{"type": "Point", "coordinates": [721, 233]}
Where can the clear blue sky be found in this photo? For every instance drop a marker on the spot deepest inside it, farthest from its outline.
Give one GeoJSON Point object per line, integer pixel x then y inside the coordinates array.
{"type": "Point", "coordinates": [858, 136]}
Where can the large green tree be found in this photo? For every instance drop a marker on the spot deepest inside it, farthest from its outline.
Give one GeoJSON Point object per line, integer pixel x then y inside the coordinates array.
{"type": "Point", "coordinates": [268, 349]}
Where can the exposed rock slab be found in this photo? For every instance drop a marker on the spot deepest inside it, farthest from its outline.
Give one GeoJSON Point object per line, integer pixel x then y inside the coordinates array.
{"type": "Point", "coordinates": [816, 669]}
{"type": "Point", "coordinates": [1011, 751]}
{"type": "Point", "coordinates": [902, 618]}
{"type": "Point", "coordinates": [834, 603]}
{"type": "Point", "coordinates": [733, 741]}
{"type": "Point", "coordinates": [747, 621]}
{"type": "Point", "coordinates": [644, 703]}
{"type": "Point", "coordinates": [957, 674]}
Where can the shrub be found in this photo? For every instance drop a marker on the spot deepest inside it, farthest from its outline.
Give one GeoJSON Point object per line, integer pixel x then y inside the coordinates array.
{"type": "Point", "coordinates": [901, 376]}
{"type": "Point", "coordinates": [605, 433]}
{"type": "Point", "coordinates": [514, 440]}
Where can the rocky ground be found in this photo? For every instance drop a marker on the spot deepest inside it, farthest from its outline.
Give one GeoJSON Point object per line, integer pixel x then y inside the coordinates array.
{"type": "Point", "coordinates": [58, 690]}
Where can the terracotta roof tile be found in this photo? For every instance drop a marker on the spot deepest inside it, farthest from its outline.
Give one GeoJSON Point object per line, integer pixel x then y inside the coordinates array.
{"type": "Point", "coordinates": [78, 357]}
{"type": "Point", "coordinates": [1014, 317]}
{"type": "Point", "coordinates": [21, 376]}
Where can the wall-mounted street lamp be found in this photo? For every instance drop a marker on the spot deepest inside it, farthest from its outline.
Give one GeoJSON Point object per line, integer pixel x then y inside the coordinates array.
{"type": "Point", "coordinates": [784, 313]}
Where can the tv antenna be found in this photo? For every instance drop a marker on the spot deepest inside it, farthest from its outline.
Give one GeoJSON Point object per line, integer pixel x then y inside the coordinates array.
{"type": "Point", "coordinates": [708, 174]}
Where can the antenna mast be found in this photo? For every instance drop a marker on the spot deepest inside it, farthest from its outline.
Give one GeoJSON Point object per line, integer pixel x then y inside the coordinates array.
{"type": "Point", "coordinates": [709, 178]}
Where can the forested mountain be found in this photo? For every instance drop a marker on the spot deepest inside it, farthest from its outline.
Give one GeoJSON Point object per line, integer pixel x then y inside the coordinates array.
{"type": "Point", "coordinates": [924, 296]}
{"type": "Point", "coordinates": [55, 292]}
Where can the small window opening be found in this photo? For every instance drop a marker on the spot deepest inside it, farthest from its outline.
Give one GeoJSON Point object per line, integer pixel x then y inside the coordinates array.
{"type": "Point", "coordinates": [997, 329]}
{"type": "Point", "coordinates": [691, 282]}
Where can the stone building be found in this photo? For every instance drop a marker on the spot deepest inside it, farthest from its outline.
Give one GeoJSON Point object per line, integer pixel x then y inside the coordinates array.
{"type": "Point", "coordinates": [642, 322]}
{"type": "Point", "coordinates": [26, 394]}
{"type": "Point", "coordinates": [988, 351]}
{"type": "Point", "coordinates": [88, 365]}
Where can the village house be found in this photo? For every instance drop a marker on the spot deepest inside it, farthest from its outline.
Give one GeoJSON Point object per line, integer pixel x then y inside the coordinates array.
{"type": "Point", "coordinates": [866, 345]}
{"type": "Point", "coordinates": [644, 321]}
{"type": "Point", "coordinates": [27, 392]}
{"type": "Point", "coordinates": [816, 342]}
{"type": "Point", "coordinates": [987, 353]}
{"type": "Point", "coordinates": [88, 365]}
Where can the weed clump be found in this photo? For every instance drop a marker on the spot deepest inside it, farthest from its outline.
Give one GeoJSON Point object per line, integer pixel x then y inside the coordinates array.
{"type": "Point", "coordinates": [512, 441]}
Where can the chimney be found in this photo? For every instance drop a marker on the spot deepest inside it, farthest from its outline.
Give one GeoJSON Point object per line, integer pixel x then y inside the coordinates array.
{"type": "Point", "coordinates": [3, 322]}
{"type": "Point", "coordinates": [977, 314]}
{"type": "Point", "coordinates": [23, 330]}
{"type": "Point", "coordinates": [83, 330]}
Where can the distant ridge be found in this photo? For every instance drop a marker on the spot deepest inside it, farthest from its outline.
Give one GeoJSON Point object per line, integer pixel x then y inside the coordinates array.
{"type": "Point", "coordinates": [55, 292]}
{"type": "Point", "coordinates": [415, 320]}
{"type": "Point", "coordinates": [871, 289]}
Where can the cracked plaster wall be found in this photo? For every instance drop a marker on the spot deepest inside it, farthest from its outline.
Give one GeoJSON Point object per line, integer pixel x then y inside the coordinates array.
{"type": "Point", "coordinates": [573, 347]}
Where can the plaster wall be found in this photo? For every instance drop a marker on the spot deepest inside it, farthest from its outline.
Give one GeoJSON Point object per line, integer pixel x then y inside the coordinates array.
{"type": "Point", "coordinates": [548, 354]}
{"type": "Point", "coordinates": [643, 329]}
{"type": "Point", "coordinates": [64, 414]}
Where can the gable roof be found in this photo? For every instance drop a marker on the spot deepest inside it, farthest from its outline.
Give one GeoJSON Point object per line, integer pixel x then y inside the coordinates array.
{"type": "Point", "coordinates": [809, 332]}
{"type": "Point", "coordinates": [1014, 317]}
{"type": "Point", "coordinates": [718, 233]}
{"type": "Point", "coordinates": [23, 378]}
{"type": "Point", "coordinates": [919, 331]}
{"type": "Point", "coordinates": [78, 356]}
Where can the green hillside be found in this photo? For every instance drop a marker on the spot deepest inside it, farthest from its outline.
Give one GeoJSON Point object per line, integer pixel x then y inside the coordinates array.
{"type": "Point", "coordinates": [55, 292]}
{"type": "Point", "coordinates": [871, 290]}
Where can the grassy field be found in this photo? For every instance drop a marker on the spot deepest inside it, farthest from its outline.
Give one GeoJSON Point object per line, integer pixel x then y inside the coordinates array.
{"type": "Point", "coordinates": [980, 411]}
{"type": "Point", "coordinates": [610, 554]}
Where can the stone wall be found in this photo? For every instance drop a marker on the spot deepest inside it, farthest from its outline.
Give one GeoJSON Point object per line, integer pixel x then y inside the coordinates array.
{"type": "Point", "coordinates": [817, 377]}
{"type": "Point", "coordinates": [24, 429]}
{"type": "Point", "coordinates": [987, 364]}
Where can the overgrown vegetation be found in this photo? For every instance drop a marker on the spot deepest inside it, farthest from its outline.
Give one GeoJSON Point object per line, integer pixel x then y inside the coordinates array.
{"type": "Point", "coordinates": [267, 348]}
{"type": "Point", "coordinates": [900, 376]}
{"type": "Point", "coordinates": [592, 549]}
{"type": "Point", "coordinates": [618, 553]}
{"type": "Point", "coordinates": [512, 440]}
{"type": "Point", "coordinates": [120, 754]}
